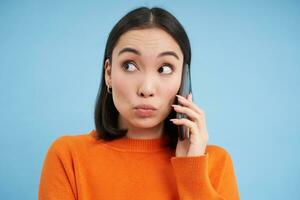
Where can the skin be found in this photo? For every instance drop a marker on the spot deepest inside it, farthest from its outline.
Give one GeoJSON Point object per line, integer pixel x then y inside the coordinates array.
{"type": "Point", "coordinates": [149, 79]}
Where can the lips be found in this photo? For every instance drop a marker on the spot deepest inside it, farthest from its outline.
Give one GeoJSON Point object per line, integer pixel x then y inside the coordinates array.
{"type": "Point", "coordinates": [145, 107]}
{"type": "Point", "coordinates": [144, 110]}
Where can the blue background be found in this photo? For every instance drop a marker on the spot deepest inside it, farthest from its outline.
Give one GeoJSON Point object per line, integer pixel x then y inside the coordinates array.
{"type": "Point", "coordinates": [245, 76]}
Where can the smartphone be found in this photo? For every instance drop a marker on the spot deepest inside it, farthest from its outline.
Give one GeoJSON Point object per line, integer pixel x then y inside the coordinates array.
{"type": "Point", "coordinates": [184, 90]}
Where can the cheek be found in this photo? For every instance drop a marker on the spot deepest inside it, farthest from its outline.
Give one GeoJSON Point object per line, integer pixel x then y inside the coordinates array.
{"type": "Point", "coordinates": [121, 91]}
{"type": "Point", "coordinates": [120, 84]}
{"type": "Point", "coordinates": [170, 92]}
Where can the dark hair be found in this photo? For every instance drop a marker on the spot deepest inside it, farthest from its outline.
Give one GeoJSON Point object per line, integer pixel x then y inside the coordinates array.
{"type": "Point", "coordinates": [106, 114]}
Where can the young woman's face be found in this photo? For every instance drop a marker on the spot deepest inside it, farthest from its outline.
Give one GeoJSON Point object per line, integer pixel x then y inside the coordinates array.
{"type": "Point", "coordinates": [147, 72]}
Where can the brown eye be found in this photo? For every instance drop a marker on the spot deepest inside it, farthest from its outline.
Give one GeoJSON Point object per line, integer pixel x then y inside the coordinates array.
{"type": "Point", "coordinates": [128, 66]}
{"type": "Point", "coordinates": [168, 68]}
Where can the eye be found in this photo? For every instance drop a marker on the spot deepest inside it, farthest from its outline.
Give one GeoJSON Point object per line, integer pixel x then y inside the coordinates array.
{"type": "Point", "coordinates": [128, 66]}
{"type": "Point", "coordinates": [168, 68]}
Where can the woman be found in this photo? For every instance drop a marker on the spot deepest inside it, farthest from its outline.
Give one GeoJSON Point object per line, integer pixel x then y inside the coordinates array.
{"type": "Point", "coordinates": [134, 151]}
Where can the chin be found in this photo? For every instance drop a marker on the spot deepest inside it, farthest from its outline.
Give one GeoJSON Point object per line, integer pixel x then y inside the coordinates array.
{"type": "Point", "coordinates": [145, 122]}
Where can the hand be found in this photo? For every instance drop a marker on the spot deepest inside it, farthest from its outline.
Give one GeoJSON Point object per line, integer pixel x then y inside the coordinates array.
{"type": "Point", "coordinates": [196, 143]}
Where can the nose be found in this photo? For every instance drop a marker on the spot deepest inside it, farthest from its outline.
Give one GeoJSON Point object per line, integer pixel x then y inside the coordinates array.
{"type": "Point", "coordinates": [147, 87]}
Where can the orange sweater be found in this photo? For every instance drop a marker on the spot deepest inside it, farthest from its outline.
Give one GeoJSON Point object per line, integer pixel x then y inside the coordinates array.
{"type": "Point", "coordinates": [83, 168]}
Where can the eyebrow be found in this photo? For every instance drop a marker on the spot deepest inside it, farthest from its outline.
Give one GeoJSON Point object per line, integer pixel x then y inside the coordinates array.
{"type": "Point", "coordinates": [132, 50]}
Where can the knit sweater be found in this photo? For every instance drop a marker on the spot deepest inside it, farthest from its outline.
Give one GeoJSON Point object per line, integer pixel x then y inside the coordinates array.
{"type": "Point", "coordinates": [83, 168]}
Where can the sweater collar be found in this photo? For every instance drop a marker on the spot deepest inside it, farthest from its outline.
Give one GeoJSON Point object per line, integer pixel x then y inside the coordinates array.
{"type": "Point", "coordinates": [136, 145]}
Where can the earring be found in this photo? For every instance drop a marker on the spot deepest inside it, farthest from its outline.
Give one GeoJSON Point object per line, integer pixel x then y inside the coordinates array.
{"type": "Point", "coordinates": [108, 89]}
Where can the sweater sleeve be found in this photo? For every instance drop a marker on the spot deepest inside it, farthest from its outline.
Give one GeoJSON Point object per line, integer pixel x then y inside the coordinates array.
{"type": "Point", "coordinates": [57, 179]}
{"type": "Point", "coordinates": [197, 178]}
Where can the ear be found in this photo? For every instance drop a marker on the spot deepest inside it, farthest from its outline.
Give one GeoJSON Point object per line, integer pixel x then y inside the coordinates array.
{"type": "Point", "coordinates": [107, 67]}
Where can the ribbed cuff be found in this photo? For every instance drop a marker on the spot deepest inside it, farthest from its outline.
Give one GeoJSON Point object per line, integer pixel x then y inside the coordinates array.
{"type": "Point", "coordinates": [192, 176]}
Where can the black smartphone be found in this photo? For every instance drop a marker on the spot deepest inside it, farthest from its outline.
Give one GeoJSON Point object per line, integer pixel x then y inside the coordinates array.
{"type": "Point", "coordinates": [184, 90]}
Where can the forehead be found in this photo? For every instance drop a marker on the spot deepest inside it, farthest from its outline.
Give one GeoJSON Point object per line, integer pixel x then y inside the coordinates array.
{"type": "Point", "coordinates": [149, 41]}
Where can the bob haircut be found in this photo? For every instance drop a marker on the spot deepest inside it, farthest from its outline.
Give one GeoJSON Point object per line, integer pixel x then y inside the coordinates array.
{"type": "Point", "coordinates": [105, 113]}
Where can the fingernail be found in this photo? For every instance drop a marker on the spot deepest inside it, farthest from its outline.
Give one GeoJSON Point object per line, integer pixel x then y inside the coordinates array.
{"type": "Point", "coordinates": [181, 99]}
{"type": "Point", "coordinates": [180, 96]}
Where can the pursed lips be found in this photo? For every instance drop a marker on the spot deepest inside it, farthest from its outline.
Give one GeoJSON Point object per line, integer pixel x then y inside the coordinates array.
{"type": "Point", "coordinates": [145, 110]}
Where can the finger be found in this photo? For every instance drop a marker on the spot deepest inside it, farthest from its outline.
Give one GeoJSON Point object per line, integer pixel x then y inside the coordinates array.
{"type": "Point", "coordinates": [193, 129]}
{"type": "Point", "coordinates": [188, 123]}
{"type": "Point", "coordinates": [190, 104]}
{"type": "Point", "coordinates": [190, 97]}
{"type": "Point", "coordinates": [194, 116]}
